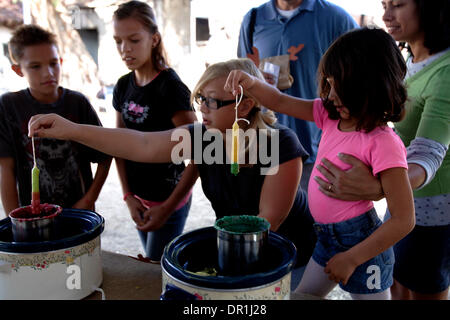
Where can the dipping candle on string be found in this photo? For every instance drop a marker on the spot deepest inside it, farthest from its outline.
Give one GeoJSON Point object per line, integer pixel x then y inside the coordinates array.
{"type": "Point", "coordinates": [235, 136]}
{"type": "Point", "coordinates": [35, 194]}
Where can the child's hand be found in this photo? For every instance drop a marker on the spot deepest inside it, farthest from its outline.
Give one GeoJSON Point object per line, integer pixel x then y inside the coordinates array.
{"type": "Point", "coordinates": [340, 267]}
{"type": "Point", "coordinates": [84, 203]}
{"type": "Point", "coordinates": [136, 210]}
{"type": "Point", "coordinates": [236, 78]}
{"type": "Point", "coordinates": [50, 126]}
{"type": "Point", "coordinates": [155, 218]}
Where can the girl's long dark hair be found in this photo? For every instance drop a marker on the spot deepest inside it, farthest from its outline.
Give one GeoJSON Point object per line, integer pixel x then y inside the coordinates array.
{"type": "Point", "coordinates": [368, 71]}
{"type": "Point", "coordinates": [143, 13]}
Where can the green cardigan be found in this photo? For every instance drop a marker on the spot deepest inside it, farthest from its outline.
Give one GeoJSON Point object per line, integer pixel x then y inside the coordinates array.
{"type": "Point", "coordinates": [428, 116]}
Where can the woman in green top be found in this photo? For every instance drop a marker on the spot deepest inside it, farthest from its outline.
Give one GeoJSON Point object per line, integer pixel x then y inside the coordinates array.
{"type": "Point", "coordinates": [422, 263]}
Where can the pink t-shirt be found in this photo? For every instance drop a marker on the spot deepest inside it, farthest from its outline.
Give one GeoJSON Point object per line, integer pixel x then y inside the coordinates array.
{"type": "Point", "coordinates": [380, 149]}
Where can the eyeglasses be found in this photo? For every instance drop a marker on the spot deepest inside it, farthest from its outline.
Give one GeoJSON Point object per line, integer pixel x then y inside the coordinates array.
{"type": "Point", "coordinates": [212, 103]}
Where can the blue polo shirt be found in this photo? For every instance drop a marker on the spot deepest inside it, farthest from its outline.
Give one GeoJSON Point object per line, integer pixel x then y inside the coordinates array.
{"type": "Point", "coordinates": [307, 35]}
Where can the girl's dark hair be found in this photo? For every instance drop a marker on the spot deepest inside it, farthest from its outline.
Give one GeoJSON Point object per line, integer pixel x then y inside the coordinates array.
{"type": "Point", "coordinates": [434, 19]}
{"type": "Point", "coordinates": [28, 35]}
{"type": "Point", "coordinates": [143, 13]}
{"type": "Point", "coordinates": [368, 71]}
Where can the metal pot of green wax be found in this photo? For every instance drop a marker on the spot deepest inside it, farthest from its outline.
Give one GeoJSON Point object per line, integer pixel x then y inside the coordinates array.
{"type": "Point", "coordinates": [241, 243]}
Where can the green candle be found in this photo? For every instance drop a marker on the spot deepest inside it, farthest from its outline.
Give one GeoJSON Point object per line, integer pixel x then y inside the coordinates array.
{"type": "Point", "coordinates": [35, 179]}
{"type": "Point", "coordinates": [35, 195]}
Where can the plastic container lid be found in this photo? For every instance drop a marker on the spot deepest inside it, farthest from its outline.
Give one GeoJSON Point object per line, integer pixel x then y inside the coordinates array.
{"type": "Point", "coordinates": [197, 250]}
{"type": "Point", "coordinates": [74, 227]}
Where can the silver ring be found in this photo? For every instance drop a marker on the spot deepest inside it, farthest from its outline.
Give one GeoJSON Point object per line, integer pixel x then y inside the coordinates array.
{"type": "Point", "coordinates": [329, 187]}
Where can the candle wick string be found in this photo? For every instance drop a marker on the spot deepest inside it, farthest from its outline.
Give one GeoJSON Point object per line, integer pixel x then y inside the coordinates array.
{"type": "Point", "coordinates": [34, 151]}
{"type": "Point", "coordinates": [238, 102]}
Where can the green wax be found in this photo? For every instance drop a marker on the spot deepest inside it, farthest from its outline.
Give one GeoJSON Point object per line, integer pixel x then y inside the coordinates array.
{"type": "Point", "coordinates": [235, 168]}
{"type": "Point", "coordinates": [35, 179]}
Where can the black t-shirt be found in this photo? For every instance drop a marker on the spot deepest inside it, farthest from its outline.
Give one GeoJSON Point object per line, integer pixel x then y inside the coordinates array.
{"type": "Point", "coordinates": [65, 166]}
{"type": "Point", "coordinates": [240, 194]}
{"type": "Point", "coordinates": [151, 108]}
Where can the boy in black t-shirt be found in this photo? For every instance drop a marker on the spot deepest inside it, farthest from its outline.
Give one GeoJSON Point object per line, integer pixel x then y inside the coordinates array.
{"type": "Point", "coordinates": [65, 167]}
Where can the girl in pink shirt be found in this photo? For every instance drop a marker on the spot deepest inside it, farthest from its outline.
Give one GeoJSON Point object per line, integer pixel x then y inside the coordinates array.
{"type": "Point", "coordinates": [361, 89]}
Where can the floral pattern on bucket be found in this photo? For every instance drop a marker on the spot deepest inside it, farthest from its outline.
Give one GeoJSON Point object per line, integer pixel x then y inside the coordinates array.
{"type": "Point", "coordinates": [278, 290]}
{"type": "Point", "coordinates": [41, 261]}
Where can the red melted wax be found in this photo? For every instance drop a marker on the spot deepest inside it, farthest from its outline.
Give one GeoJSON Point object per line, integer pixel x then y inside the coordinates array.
{"type": "Point", "coordinates": [46, 211]}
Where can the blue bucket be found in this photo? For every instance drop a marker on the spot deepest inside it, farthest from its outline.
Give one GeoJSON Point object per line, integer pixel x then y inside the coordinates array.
{"type": "Point", "coordinates": [189, 254]}
{"type": "Point", "coordinates": [72, 227]}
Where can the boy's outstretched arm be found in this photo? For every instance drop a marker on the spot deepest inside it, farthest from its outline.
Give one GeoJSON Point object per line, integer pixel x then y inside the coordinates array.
{"type": "Point", "coordinates": [154, 147]}
{"type": "Point", "coordinates": [269, 96]}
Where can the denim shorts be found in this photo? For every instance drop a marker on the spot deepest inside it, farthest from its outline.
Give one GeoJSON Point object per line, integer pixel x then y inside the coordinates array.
{"type": "Point", "coordinates": [373, 276]}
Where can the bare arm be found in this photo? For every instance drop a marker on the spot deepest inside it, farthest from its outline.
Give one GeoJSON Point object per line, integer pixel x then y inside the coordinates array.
{"type": "Point", "coordinates": [123, 143]}
{"type": "Point", "coordinates": [157, 216]}
{"type": "Point", "coordinates": [416, 174]}
{"type": "Point", "coordinates": [183, 117]}
{"type": "Point", "coordinates": [9, 195]}
{"type": "Point", "coordinates": [137, 210]}
{"type": "Point", "coordinates": [120, 163]}
{"type": "Point", "coordinates": [135, 207]}
{"type": "Point", "coordinates": [278, 192]}
{"type": "Point", "coordinates": [400, 202]}
{"type": "Point", "coordinates": [269, 96]}
{"type": "Point", "coordinates": [91, 196]}
{"type": "Point", "coordinates": [190, 175]}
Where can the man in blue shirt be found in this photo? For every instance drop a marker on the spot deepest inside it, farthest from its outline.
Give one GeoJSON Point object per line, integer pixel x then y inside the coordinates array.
{"type": "Point", "coordinates": [304, 29]}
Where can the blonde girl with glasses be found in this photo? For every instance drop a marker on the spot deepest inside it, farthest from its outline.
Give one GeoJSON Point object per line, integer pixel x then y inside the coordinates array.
{"type": "Point", "coordinates": [275, 197]}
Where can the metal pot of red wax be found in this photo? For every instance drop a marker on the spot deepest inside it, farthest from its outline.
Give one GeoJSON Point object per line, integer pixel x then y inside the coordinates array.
{"type": "Point", "coordinates": [30, 227]}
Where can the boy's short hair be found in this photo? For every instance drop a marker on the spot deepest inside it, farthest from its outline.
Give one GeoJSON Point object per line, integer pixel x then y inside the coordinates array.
{"type": "Point", "coordinates": [28, 35]}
